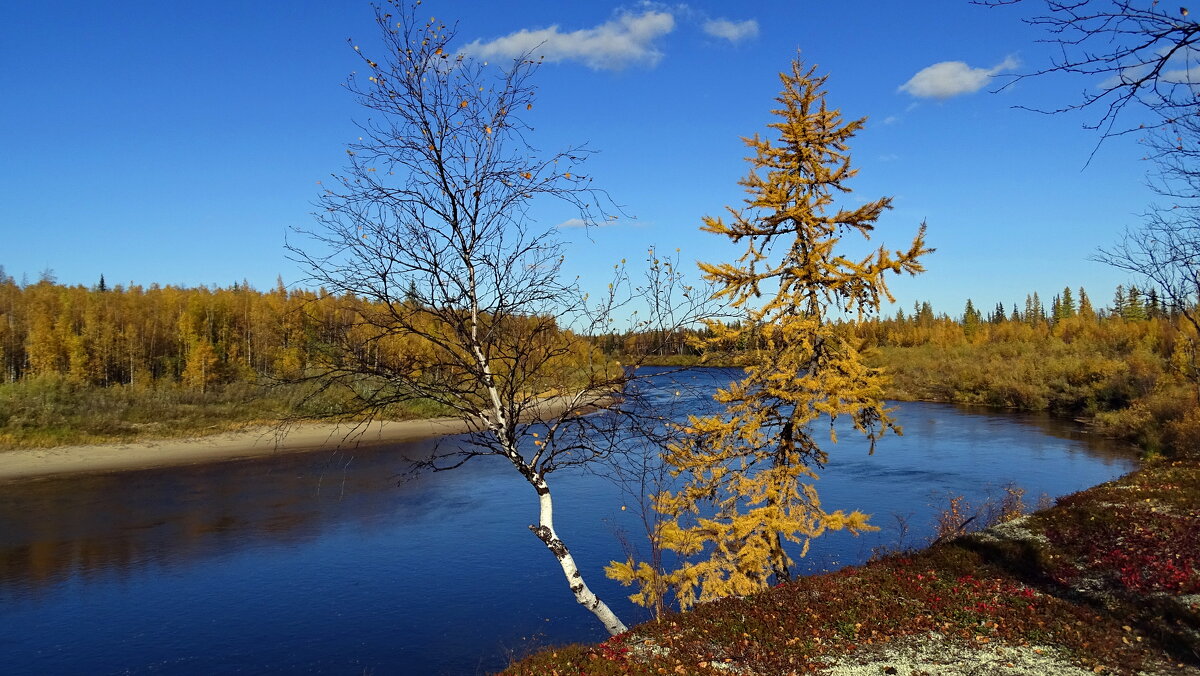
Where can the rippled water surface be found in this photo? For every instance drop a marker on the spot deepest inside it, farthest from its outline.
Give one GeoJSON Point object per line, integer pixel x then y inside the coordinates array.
{"type": "Point", "coordinates": [322, 563]}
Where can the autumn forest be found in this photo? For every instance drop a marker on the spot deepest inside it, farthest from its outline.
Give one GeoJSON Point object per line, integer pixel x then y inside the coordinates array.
{"type": "Point", "coordinates": [222, 356]}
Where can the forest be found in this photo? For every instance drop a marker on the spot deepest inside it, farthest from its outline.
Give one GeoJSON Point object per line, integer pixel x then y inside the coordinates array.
{"type": "Point", "coordinates": [123, 361]}
{"type": "Point", "coordinates": [120, 362]}
{"type": "Point", "coordinates": [1128, 369]}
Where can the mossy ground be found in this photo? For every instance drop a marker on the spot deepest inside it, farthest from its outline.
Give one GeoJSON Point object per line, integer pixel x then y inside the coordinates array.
{"type": "Point", "coordinates": [1107, 581]}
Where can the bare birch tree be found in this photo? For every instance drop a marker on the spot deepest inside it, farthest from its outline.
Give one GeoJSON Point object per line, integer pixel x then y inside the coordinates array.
{"type": "Point", "coordinates": [1137, 58]}
{"type": "Point", "coordinates": [452, 295]}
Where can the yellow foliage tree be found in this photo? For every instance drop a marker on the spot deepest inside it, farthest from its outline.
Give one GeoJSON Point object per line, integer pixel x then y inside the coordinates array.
{"type": "Point", "coordinates": [746, 474]}
{"type": "Point", "coordinates": [201, 370]}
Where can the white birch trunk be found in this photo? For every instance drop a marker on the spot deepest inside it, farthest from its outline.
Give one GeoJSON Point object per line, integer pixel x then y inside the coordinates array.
{"type": "Point", "coordinates": [545, 528]}
{"type": "Point", "coordinates": [583, 595]}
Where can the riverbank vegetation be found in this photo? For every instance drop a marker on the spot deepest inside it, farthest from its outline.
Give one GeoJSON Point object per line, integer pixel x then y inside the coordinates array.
{"type": "Point", "coordinates": [1106, 581]}
{"type": "Point", "coordinates": [1129, 370]}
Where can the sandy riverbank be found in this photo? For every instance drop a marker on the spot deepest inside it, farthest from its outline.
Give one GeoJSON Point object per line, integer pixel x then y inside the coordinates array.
{"type": "Point", "coordinates": [38, 463]}
{"type": "Point", "coordinates": [35, 463]}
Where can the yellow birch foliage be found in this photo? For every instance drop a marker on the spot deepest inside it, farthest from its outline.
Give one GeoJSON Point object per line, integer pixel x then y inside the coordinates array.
{"type": "Point", "coordinates": [201, 370]}
{"type": "Point", "coordinates": [746, 475]}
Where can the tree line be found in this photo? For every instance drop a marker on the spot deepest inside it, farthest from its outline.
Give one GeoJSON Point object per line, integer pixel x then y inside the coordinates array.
{"type": "Point", "coordinates": [193, 337]}
{"type": "Point", "coordinates": [1065, 318]}
{"type": "Point", "coordinates": [1128, 368]}
{"type": "Point", "coordinates": [1117, 364]}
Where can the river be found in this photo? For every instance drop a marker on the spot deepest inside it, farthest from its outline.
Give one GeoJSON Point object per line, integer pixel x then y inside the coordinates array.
{"type": "Point", "coordinates": [324, 563]}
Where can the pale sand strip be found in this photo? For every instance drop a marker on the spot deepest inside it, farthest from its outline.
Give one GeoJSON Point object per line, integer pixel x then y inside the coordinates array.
{"type": "Point", "coordinates": [39, 463]}
{"type": "Point", "coordinates": [256, 442]}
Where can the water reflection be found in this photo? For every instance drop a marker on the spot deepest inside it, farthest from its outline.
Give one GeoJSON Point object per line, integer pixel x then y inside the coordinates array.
{"type": "Point", "coordinates": [116, 523]}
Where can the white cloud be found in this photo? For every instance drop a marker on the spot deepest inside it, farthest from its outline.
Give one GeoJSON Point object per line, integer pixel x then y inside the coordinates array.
{"type": "Point", "coordinates": [1185, 71]}
{"type": "Point", "coordinates": [891, 119]}
{"type": "Point", "coordinates": [1187, 76]}
{"type": "Point", "coordinates": [952, 78]}
{"type": "Point", "coordinates": [733, 31]}
{"type": "Point", "coordinates": [580, 223]}
{"type": "Point", "coordinates": [624, 41]}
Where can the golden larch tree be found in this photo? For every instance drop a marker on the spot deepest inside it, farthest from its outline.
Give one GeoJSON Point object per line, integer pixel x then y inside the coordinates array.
{"type": "Point", "coordinates": [746, 474]}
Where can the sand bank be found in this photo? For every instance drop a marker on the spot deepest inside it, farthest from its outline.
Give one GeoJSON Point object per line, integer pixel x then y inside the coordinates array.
{"type": "Point", "coordinates": [37, 463]}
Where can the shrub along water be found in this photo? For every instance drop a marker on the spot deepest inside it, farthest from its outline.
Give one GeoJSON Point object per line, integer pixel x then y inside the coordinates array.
{"type": "Point", "coordinates": [46, 411]}
{"type": "Point", "coordinates": [1130, 374]}
{"type": "Point", "coordinates": [1131, 370]}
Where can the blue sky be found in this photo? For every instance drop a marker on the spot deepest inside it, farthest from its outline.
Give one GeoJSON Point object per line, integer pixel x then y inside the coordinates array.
{"type": "Point", "coordinates": [178, 142]}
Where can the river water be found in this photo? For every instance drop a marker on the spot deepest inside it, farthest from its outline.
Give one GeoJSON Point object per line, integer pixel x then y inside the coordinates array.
{"type": "Point", "coordinates": [324, 563]}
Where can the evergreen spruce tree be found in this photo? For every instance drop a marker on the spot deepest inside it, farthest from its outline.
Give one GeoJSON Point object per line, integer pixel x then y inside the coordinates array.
{"type": "Point", "coordinates": [1085, 305]}
{"type": "Point", "coordinates": [1153, 305]}
{"type": "Point", "coordinates": [925, 318]}
{"type": "Point", "coordinates": [1135, 309]}
{"type": "Point", "coordinates": [1067, 304]}
{"type": "Point", "coordinates": [1119, 302]}
{"type": "Point", "coordinates": [747, 473]}
{"type": "Point", "coordinates": [971, 320]}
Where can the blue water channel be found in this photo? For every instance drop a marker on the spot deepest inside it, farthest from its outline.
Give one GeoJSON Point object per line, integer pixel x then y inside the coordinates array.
{"type": "Point", "coordinates": [324, 563]}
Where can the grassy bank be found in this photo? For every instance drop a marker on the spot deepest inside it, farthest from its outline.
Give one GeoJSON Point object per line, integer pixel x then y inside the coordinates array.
{"type": "Point", "coordinates": [1106, 581]}
{"type": "Point", "coordinates": [1129, 394]}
